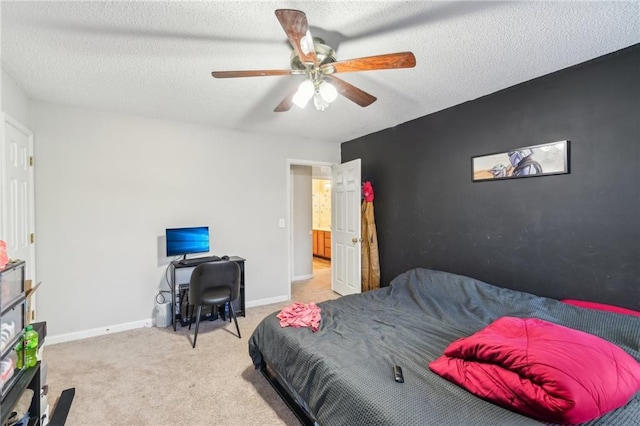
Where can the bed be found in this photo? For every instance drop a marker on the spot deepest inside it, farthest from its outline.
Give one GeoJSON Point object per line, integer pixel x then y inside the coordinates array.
{"type": "Point", "coordinates": [342, 374]}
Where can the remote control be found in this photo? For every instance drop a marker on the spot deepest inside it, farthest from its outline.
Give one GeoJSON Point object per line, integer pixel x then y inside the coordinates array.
{"type": "Point", "coordinates": [397, 374]}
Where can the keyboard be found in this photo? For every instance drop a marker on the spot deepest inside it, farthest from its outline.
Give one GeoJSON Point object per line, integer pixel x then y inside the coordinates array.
{"type": "Point", "coordinates": [198, 260]}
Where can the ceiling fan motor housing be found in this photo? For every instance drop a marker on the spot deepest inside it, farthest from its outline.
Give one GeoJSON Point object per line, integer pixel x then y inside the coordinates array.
{"type": "Point", "coordinates": [324, 53]}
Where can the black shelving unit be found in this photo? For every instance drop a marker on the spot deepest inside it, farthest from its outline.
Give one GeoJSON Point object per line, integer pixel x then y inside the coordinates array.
{"type": "Point", "coordinates": [13, 304]}
{"type": "Point", "coordinates": [28, 379]}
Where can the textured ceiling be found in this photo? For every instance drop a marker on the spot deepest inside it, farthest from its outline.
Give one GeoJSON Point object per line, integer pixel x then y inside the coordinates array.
{"type": "Point", "coordinates": [155, 58]}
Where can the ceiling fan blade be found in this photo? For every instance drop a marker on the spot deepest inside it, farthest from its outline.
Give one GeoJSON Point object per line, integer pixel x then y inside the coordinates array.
{"type": "Point", "coordinates": [369, 63]}
{"type": "Point", "coordinates": [287, 102]}
{"type": "Point", "coordinates": [295, 25]}
{"type": "Point", "coordinates": [350, 91]}
{"type": "Point", "coordinates": [250, 73]}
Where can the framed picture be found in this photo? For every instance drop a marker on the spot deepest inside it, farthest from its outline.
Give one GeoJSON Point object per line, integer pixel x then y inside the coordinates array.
{"type": "Point", "coordinates": [530, 161]}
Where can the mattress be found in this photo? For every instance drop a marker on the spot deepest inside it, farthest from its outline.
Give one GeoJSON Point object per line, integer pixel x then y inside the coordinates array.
{"type": "Point", "coordinates": [343, 372]}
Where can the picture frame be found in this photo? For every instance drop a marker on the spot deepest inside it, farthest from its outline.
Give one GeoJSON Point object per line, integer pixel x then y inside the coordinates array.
{"type": "Point", "coordinates": [530, 161]}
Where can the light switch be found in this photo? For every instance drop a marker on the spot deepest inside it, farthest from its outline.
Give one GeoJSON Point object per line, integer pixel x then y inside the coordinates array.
{"type": "Point", "coordinates": [281, 223]}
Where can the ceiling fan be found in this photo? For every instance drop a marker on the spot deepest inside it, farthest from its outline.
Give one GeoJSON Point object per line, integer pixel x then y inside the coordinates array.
{"type": "Point", "coordinates": [317, 61]}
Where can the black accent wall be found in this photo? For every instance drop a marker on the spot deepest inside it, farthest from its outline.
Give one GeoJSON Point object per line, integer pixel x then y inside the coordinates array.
{"type": "Point", "coordinates": [565, 236]}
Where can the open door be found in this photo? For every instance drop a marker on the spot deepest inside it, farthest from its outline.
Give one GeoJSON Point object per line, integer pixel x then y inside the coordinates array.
{"type": "Point", "coordinates": [345, 228]}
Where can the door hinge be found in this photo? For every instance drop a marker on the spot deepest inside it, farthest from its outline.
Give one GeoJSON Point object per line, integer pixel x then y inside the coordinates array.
{"type": "Point", "coordinates": [32, 238]}
{"type": "Point", "coordinates": [31, 160]}
{"type": "Point", "coordinates": [33, 315]}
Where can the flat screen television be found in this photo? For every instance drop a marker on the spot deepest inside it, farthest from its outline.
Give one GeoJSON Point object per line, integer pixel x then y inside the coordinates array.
{"type": "Point", "coordinates": [184, 241]}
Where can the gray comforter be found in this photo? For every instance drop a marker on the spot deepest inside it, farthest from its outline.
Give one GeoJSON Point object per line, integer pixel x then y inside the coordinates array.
{"type": "Point", "coordinates": [343, 372]}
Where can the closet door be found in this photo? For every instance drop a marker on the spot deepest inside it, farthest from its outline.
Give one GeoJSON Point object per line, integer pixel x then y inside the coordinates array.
{"type": "Point", "coordinates": [16, 187]}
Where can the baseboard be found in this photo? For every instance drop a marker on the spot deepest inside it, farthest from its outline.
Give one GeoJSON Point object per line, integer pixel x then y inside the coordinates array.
{"type": "Point", "coordinates": [84, 334]}
{"type": "Point", "coordinates": [302, 277]}
{"type": "Point", "coordinates": [268, 301]}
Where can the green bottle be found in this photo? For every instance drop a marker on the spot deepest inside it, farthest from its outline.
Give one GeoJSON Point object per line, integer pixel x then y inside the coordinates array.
{"type": "Point", "coordinates": [20, 360]}
{"type": "Point", "coordinates": [31, 346]}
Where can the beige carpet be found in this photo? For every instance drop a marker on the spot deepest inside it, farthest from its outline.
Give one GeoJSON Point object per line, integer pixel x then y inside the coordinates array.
{"type": "Point", "coordinates": [152, 376]}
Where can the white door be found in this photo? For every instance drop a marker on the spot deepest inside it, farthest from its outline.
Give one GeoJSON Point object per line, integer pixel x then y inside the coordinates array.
{"type": "Point", "coordinates": [16, 179]}
{"type": "Point", "coordinates": [345, 228]}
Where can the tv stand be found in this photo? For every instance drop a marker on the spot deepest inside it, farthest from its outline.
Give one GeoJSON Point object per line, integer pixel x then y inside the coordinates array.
{"type": "Point", "coordinates": [238, 304]}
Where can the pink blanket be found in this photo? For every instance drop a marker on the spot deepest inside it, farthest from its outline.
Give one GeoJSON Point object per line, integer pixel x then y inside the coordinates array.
{"type": "Point", "coordinates": [300, 315]}
{"type": "Point", "coordinates": [543, 370]}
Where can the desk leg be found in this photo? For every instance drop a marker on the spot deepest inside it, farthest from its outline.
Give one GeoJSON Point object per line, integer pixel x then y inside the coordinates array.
{"type": "Point", "coordinates": [173, 296]}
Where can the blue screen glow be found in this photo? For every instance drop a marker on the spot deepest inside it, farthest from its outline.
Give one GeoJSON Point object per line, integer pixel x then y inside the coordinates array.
{"type": "Point", "coordinates": [187, 240]}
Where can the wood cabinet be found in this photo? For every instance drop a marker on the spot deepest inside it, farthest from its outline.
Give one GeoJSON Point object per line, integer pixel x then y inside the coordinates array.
{"type": "Point", "coordinates": [327, 244]}
{"type": "Point", "coordinates": [322, 243]}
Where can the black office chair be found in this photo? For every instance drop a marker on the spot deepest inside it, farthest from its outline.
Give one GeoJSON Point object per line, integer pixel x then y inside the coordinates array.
{"type": "Point", "coordinates": [214, 283]}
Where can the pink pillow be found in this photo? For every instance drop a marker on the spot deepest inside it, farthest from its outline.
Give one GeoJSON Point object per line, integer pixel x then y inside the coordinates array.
{"type": "Point", "coordinates": [541, 369]}
{"type": "Point", "coordinates": [600, 307]}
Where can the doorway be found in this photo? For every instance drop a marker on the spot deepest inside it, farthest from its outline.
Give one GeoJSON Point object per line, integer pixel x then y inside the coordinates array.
{"type": "Point", "coordinates": [306, 233]}
{"type": "Point", "coordinates": [321, 217]}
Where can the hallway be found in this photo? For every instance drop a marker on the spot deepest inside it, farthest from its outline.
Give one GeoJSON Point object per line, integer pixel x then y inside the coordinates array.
{"type": "Point", "coordinates": [320, 263]}
{"type": "Point", "coordinates": [317, 288]}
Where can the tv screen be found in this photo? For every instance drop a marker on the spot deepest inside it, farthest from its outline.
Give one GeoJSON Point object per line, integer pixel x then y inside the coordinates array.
{"type": "Point", "coordinates": [182, 241]}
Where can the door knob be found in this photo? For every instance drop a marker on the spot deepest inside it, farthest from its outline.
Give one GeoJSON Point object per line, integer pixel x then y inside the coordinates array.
{"type": "Point", "coordinates": [356, 240]}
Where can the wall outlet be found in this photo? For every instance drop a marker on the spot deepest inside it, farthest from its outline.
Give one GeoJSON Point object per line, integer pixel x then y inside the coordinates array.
{"type": "Point", "coordinates": [281, 223]}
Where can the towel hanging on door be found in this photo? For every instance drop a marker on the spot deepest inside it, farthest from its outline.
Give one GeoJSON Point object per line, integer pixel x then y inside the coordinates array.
{"type": "Point", "coordinates": [370, 257]}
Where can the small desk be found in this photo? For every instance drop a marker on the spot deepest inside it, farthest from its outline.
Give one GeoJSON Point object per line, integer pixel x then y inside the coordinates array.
{"type": "Point", "coordinates": [238, 304]}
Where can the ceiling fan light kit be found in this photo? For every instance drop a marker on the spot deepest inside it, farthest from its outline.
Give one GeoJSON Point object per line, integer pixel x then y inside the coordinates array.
{"type": "Point", "coordinates": [328, 92]}
{"type": "Point", "coordinates": [323, 94]}
{"type": "Point", "coordinates": [304, 93]}
{"type": "Point", "coordinates": [306, 43]}
{"type": "Point", "coordinates": [317, 61]}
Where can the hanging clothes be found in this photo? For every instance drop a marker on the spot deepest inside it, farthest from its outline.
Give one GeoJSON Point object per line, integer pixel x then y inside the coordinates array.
{"type": "Point", "coordinates": [370, 257]}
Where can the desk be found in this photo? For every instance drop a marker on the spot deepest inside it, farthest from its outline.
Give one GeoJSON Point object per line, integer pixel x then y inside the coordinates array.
{"type": "Point", "coordinates": [238, 304]}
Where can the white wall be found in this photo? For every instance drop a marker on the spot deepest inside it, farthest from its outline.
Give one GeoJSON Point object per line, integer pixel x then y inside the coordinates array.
{"type": "Point", "coordinates": [302, 239]}
{"type": "Point", "coordinates": [14, 101]}
{"type": "Point", "coordinates": [107, 186]}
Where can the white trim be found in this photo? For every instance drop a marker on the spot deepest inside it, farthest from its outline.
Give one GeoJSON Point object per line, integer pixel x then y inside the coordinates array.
{"type": "Point", "coordinates": [268, 301]}
{"type": "Point", "coordinates": [84, 334]}
{"type": "Point", "coordinates": [101, 331]}
{"type": "Point", "coordinates": [17, 125]}
{"type": "Point", "coordinates": [302, 277]}
{"type": "Point", "coordinates": [3, 195]}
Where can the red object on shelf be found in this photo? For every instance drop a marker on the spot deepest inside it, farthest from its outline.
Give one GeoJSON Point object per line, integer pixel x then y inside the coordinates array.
{"type": "Point", "coordinates": [4, 258]}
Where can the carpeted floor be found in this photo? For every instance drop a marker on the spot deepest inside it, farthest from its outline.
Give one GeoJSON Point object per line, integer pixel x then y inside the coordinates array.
{"type": "Point", "coordinates": [152, 376]}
